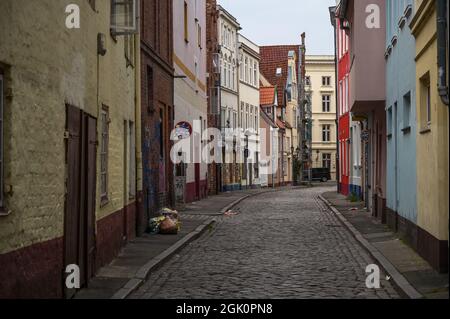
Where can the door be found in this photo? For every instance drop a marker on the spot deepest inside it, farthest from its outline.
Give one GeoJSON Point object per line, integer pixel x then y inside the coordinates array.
{"type": "Point", "coordinates": [79, 221]}
{"type": "Point", "coordinates": [197, 181]}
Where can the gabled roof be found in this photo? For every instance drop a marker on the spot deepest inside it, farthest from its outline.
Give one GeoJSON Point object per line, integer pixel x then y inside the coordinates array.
{"type": "Point", "coordinates": [274, 57]}
{"type": "Point", "coordinates": [267, 119]}
{"type": "Point", "coordinates": [267, 95]}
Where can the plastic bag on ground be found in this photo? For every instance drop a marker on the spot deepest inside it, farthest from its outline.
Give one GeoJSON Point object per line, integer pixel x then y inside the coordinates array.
{"type": "Point", "coordinates": [154, 225]}
{"type": "Point", "coordinates": [168, 226]}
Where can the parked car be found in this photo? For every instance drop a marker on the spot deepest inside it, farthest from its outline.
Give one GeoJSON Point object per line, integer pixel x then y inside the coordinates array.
{"type": "Point", "coordinates": [318, 174]}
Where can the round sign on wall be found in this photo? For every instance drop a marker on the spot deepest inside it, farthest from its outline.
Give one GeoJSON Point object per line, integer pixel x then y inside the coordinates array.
{"type": "Point", "coordinates": [183, 130]}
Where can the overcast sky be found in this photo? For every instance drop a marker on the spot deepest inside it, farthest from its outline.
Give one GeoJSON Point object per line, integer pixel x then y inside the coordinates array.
{"type": "Point", "coordinates": [268, 22]}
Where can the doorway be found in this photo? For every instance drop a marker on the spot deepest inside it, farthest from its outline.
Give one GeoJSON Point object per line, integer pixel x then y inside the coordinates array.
{"type": "Point", "coordinates": [79, 219]}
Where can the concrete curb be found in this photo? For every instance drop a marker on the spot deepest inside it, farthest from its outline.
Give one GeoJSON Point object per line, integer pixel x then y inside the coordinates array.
{"type": "Point", "coordinates": [398, 279]}
{"type": "Point", "coordinates": [145, 271]}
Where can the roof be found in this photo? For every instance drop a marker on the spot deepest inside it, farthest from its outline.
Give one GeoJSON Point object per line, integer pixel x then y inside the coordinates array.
{"type": "Point", "coordinates": [274, 57]}
{"type": "Point", "coordinates": [267, 119]}
{"type": "Point", "coordinates": [281, 124]}
{"type": "Point", "coordinates": [263, 81]}
{"type": "Point", "coordinates": [267, 95]}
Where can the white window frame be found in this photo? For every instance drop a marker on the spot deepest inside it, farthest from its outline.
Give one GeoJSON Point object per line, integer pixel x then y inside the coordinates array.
{"type": "Point", "coordinates": [127, 27]}
{"type": "Point", "coordinates": [104, 152]}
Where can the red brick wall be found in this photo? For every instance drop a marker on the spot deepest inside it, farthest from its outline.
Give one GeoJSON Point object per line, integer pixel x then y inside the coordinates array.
{"type": "Point", "coordinates": [212, 47]}
{"type": "Point", "coordinates": [157, 54]}
{"type": "Point", "coordinates": [33, 272]}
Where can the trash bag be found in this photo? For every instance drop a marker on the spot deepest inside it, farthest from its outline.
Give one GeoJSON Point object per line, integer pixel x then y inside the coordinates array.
{"type": "Point", "coordinates": [166, 212]}
{"type": "Point", "coordinates": [154, 225]}
{"type": "Point", "coordinates": [168, 226]}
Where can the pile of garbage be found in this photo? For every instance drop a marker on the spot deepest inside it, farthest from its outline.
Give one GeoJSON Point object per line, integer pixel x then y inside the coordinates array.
{"type": "Point", "coordinates": [168, 223]}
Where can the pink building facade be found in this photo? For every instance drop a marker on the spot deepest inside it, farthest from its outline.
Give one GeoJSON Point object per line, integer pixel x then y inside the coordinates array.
{"type": "Point", "coordinates": [364, 23]}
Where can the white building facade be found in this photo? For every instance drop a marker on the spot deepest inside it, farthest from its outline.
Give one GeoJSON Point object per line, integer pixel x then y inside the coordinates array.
{"type": "Point", "coordinates": [229, 29]}
{"type": "Point", "coordinates": [249, 115]}
{"type": "Point", "coordinates": [321, 90]}
{"type": "Point", "coordinates": [190, 96]}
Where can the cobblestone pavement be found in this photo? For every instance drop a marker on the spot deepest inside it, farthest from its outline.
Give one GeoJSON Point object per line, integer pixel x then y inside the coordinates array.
{"type": "Point", "coordinates": [280, 245]}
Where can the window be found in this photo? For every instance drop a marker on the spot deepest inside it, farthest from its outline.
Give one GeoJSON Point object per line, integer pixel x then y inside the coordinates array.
{"type": "Point", "coordinates": [241, 124]}
{"type": "Point", "coordinates": [246, 115]}
{"type": "Point", "coordinates": [186, 24]}
{"type": "Point", "coordinates": [326, 133]}
{"type": "Point", "coordinates": [104, 152]}
{"type": "Point", "coordinates": [241, 70]}
{"type": "Point", "coordinates": [222, 117]}
{"type": "Point", "coordinates": [150, 89]}
{"type": "Point", "coordinates": [233, 78]}
{"type": "Point", "coordinates": [229, 75]}
{"type": "Point", "coordinates": [326, 100]}
{"type": "Point", "coordinates": [132, 161]}
{"type": "Point", "coordinates": [425, 102]}
{"type": "Point", "coordinates": [407, 112]}
{"type": "Point", "coordinates": [326, 81]}
{"type": "Point", "coordinates": [308, 81]}
{"type": "Point", "coordinates": [255, 74]}
{"type": "Point", "coordinates": [199, 36]}
{"type": "Point", "coordinates": [326, 160]}
{"type": "Point", "coordinates": [246, 70]}
{"type": "Point", "coordinates": [389, 122]}
{"type": "Point", "coordinates": [1, 140]}
{"type": "Point", "coordinates": [124, 15]}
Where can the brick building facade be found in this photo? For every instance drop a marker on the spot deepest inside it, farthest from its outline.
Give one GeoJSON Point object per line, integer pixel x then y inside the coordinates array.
{"type": "Point", "coordinates": [157, 80]}
{"type": "Point", "coordinates": [213, 85]}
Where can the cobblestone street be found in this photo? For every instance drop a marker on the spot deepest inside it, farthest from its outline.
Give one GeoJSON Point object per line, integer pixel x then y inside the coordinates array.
{"type": "Point", "coordinates": [280, 245]}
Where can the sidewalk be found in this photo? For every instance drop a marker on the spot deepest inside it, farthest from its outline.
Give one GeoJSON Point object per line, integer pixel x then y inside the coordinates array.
{"type": "Point", "coordinates": [144, 254]}
{"type": "Point", "coordinates": [405, 265]}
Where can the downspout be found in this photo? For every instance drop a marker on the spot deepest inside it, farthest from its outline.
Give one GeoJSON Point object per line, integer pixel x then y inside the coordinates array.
{"type": "Point", "coordinates": [338, 158]}
{"type": "Point", "coordinates": [442, 49]}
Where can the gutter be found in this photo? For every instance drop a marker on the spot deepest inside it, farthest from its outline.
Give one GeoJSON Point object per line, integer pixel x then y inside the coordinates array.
{"type": "Point", "coordinates": [442, 25]}
{"type": "Point", "coordinates": [336, 65]}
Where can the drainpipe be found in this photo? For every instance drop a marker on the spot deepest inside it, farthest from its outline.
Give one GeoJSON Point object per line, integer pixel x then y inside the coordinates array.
{"type": "Point", "coordinates": [336, 63]}
{"type": "Point", "coordinates": [442, 49]}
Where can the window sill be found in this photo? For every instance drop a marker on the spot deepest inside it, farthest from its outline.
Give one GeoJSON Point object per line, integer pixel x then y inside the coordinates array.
{"type": "Point", "coordinates": [406, 130]}
{"type": "Point", "coordinates": [425, 131]}
{"type": "Point", "coordinates": [4, 212]}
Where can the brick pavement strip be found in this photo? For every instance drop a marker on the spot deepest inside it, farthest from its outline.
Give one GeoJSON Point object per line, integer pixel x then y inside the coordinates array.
{"type": "Point", "coordinates": [280, 245]}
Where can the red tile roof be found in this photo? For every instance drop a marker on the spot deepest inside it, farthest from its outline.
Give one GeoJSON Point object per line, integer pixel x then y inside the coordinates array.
{"type": "Point", "coordinates": [273, 57]}
{"type": "Point", "coordinates": [267, 95]}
